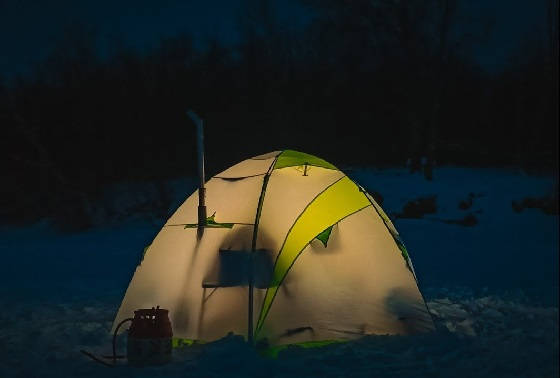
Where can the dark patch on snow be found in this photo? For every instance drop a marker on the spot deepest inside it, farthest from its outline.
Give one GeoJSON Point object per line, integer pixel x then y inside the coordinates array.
{"type": "Point", "coordinates": [467, 203]}
{"type": "Point", "coordinates": [547, 204]}
{"type": "Point", "coordinates": [419, 207]}
{"type": "Point", "coordinates": [468, 221]}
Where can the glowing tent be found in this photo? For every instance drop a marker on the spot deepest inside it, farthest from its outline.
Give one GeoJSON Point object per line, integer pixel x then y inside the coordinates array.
{"type": "Point", "coordinates": [293, 251]}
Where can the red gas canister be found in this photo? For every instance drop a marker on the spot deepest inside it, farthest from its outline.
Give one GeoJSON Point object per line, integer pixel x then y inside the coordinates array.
{"type": "Point", "coordinates": [150, 337]}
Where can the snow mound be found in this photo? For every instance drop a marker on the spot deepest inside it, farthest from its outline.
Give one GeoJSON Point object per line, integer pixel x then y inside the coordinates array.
{"type": "Point", "coordinates": [487, 336]}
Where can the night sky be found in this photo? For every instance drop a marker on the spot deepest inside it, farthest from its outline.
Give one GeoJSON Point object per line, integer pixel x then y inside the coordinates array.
{"type": "Point", "coordinates": [29, 29]}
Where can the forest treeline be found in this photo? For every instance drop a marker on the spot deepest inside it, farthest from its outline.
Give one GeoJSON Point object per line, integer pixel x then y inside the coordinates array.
{"type": "Point", "coordinates": [366, 83]}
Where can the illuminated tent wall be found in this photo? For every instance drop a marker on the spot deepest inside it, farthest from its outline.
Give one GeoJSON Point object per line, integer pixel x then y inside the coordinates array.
{"type": "Point", "coordinates": [326, 262]}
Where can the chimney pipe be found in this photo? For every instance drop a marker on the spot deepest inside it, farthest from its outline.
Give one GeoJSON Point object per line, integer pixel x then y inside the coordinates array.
{"type": "Point", "coordinates": [201, 189]}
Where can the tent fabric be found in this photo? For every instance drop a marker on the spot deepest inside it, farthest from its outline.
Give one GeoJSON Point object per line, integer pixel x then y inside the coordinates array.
{"type": "Point", "coordinates": [247, 168]}
{"type": "Point", "coordinates": [327, 262]}
{"type": "Point", "coordinates": [241, 210]}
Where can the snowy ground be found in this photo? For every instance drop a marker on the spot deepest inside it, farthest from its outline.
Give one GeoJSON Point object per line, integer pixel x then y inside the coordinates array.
{"type": "Point", "coordinates": [491, 287]}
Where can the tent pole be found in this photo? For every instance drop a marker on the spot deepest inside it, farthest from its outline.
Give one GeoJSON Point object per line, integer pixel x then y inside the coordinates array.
{"type": "Point", "coordinates": [250, 310]}
{"type": "Point", "coordinates": [200, 155]}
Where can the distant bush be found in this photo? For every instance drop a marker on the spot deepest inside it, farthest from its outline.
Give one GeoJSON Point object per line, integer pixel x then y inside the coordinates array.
{"type": "Point", "coordinates": [419, 207]}
{"type": "Point", "coordinates": [547, 204]}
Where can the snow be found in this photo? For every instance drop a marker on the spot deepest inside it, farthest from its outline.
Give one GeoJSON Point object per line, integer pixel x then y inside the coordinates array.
{"type": "Point", "coordinates": [492, 289]}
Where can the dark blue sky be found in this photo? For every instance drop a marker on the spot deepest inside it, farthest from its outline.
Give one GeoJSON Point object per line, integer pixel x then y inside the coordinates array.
{"type": "Point", "coordinates": [30, 28]}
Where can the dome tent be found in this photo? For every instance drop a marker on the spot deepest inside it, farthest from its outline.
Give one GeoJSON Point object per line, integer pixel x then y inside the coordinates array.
{"type": "Point", "coordinates": [292, 240]}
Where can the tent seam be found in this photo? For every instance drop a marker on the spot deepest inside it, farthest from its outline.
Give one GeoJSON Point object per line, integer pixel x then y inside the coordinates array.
{"type": "Point", "coordinates": [250, 330]}
{"type": "Point", "coordinates": [240, 177]}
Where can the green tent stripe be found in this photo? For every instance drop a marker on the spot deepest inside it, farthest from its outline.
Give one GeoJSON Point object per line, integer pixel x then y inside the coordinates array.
{"type": "Point", "coordinates": [402, 247]}
{"type": "Point", "coordinates": [323, 237]}
{"type": "Point", "coordinates": [215, 225]}
{"type": "Point", "coordinates": [144, 253]}
{"type": "Point", "coordinates": [178, 342]}
{"type": "Point", "coordinates": [273, 351]}
{"type": "Point", "coordinates": [334, 203]}
{"type": "Point", "coordinates": [211, 223]}
{"type": "Point", "coordinates": [291, 158]}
